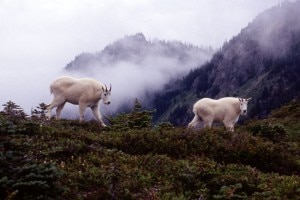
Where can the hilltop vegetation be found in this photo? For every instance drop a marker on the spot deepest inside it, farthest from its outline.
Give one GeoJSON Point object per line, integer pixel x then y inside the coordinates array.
{"type": "Point", "coordinates": [133, 159]}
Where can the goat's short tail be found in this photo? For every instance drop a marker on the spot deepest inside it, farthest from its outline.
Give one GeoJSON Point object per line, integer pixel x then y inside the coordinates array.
{"type": "Point", "coordinates": [51, 90]}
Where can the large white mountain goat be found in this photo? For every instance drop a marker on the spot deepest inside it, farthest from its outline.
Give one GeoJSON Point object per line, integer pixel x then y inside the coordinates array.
{"type": "Point", "coordinates": [226, 110]}
{"type": "Point", "coordinates": [85, 92]}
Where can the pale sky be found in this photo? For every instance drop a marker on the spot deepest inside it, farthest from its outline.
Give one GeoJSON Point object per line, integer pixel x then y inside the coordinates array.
{"type": "Point", "coordinates": [39, 37]}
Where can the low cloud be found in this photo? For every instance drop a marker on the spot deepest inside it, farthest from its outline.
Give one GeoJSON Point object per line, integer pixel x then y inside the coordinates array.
{"type": "Point", "coordinates": [38, 38]}
{"type": "Point", "coordinates": [139, 74]}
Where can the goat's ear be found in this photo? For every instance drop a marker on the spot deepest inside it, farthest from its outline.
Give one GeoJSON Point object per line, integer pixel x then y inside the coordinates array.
{"type": "Point", "coordinates": [103, 89]}
{"type": "Point", "coordinates": [249, 98]}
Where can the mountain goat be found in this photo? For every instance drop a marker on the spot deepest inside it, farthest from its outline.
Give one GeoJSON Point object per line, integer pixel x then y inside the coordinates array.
{"type": "Point", "coordinates": [226, 110]}
{"type": "Point", "coordinates": [85, 92]}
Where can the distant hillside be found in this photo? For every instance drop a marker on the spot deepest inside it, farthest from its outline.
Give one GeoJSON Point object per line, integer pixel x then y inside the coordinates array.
{"type": "Point", "coordinates": [137, 67]}
{"type": "Point", "coordinates": [263, 62]}
{"type": "Point", "coordinates": [137, 50]}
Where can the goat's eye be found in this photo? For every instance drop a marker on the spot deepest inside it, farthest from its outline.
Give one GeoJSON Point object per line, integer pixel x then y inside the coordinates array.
{"type": "Point", "coordinates": [105, 94]}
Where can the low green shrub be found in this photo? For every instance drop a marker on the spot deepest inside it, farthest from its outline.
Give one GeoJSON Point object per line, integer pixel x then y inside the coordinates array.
{"type": "Point", "coordinates": [31, 181]}
{"type": "Point", "coordinates": [273, 132]}
{"type": "Point", "coordinates": [135, 160]}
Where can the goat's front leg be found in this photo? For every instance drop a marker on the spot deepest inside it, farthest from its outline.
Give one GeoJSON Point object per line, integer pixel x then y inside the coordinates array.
{"type": "Point", "coordinates": [97, 115]}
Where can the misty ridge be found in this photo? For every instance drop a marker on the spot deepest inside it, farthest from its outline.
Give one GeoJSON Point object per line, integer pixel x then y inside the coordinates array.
{"type": "Point", "coordinates": [271, 33]}
{"type": "Point", "coordinates": [261, 62]}
{"type": "Point", "coordinates": [137, 68]}
{"type": "Point", "coordinates": [271, 36]}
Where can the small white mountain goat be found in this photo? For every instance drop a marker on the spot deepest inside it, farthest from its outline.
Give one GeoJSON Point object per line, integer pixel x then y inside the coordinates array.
{"type": "Point", "coordinates": [85, 92]}
{"type": "Point", "coordinates": [226, 110]}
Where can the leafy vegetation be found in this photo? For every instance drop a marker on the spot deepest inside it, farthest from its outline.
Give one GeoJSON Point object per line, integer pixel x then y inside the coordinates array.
{"type": "Point", "coordinates": [133, 159]}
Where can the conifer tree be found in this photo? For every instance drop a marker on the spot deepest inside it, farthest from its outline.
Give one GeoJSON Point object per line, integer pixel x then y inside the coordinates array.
{"type": "Point", "coordinates": [40, 111]}
{"type": "Point", "coordinates": [137, 105]}
{"type": "Point", "coordinates": [137, 118]}
{"type": "Point", "coordinates": [13, 110]}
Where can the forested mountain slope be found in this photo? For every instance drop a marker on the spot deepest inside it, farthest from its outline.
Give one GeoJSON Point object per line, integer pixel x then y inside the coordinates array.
{"type": "Point", "coordinates": [262, 62]}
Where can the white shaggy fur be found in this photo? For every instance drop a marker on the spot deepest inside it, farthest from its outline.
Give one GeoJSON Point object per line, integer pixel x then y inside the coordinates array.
{"type": "Point", "coordinates": [85, 92]}
{"type": "Point", "coordinates": [226, 110]}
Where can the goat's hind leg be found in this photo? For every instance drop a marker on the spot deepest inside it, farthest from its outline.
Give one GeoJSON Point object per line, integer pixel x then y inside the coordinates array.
{"type": "Point", "coordinates": [194, 122]}
{"type": "Point", "coordinates": [48, 115]}
{"type": "Point", "coordinates": [58, 102]}
{"type": "Point", "coordinates": [207, 122]}
{"type": "Point", "coordinates": [59, 109]}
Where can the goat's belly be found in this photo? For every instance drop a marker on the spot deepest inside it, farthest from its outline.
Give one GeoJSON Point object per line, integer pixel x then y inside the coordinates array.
{"type": "Point", "coordinates": [218, 117]}
{"type": "Point", "coordinates": [217, 120]}
{"type": "Point", "coordinates": [72, 101]}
